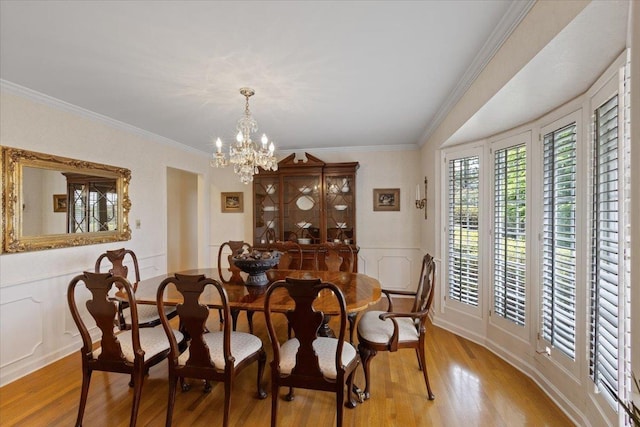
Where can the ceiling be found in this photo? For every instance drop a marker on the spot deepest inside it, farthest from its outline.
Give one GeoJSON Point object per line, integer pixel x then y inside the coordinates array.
{"type": "Point", "coordinates": [326, 73]}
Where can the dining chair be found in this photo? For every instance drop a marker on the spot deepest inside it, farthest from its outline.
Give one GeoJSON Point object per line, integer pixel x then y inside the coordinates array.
{"type": "Point", "coordinates": [337, 257]}
{"type": "Point", "coordinates": [230, 249]}
{"type": "Point", "coordinates": [132, 351]}
{"type": "Point", "coordinates": [147, 314]}
{"type": "Point", "coordinates": [211, 356]}
{"type": "Point", "coordinates": [234, 247]}
{"type": "Point", "coordinates": [334, 257]}
{"type": "Point", "coordinates": [290, 254]}
{"type": "Point", "coordinates": [308, 361]}
{"type": "Point", "coordinates": [391, 330]}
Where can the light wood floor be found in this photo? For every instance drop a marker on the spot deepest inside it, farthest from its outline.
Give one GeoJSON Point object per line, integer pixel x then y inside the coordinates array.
{"type": "Point", "coordinates": [473, 387]}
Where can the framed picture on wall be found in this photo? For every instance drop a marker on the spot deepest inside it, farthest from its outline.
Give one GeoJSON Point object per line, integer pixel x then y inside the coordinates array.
{"type": "Point", "coordinates": [59, 202]}
{"type": "Point", "coordinates": [386, 199]}
{"type": "Point", "coordinates": [232, 202]}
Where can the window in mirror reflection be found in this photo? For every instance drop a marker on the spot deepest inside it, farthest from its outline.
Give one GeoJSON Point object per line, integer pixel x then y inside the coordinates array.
{"type": "Point", "coordinates": [94, 204]}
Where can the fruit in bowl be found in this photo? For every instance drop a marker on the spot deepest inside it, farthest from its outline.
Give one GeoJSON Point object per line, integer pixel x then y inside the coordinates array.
{"type": "Point", "coordinates": [256, 263]}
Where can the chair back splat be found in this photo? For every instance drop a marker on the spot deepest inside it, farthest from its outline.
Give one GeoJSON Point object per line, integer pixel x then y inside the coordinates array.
{"type": "Point", "coordinates": [131, 351]}
{"type": "Point", "coordinates": [308, 361]}
{"type": "Point", "coordinates": [147, 314]}
{"type": "Point", "coordinates": [211, 356]}
{"type": "Point", "coordinates": [391, 330]}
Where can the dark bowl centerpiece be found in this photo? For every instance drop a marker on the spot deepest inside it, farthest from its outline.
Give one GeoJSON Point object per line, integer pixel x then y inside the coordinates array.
{"type": "Point", "coordinates": [256, 263]}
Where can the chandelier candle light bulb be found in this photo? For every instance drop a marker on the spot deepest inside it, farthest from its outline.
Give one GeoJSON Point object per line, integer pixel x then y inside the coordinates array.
{"type": "Point", "coordinates": [245, 155]}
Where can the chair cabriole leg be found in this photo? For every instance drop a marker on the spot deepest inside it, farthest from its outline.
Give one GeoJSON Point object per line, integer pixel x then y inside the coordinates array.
{"type": "Point", "coordinates": [173, 383]}
{"type": "Point", "coordinates": [137, 394]}
{"type": "Point", "coordinates": [366, 354]}
{"type": "Point", "coordinates": [423, 363]}
{"type": "Point", "coordinates": [86, 380]}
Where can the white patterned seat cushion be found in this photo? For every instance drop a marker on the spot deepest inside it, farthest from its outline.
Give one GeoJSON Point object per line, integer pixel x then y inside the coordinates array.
{"type": "Point", "coordinates": [325, 348]}
{"type": "Point", "coordinates": [152, 341]}
{"type": "Point", "coordinates": [146, 313]}
{"type": "Point", "coordinates": [243, 345]}
{"type": "Point", "coordinates": [372, 329]}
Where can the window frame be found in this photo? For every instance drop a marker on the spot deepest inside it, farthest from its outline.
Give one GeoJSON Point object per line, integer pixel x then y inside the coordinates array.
{"type": "Point", "coordinates": [545, 350]}
{"type": "Point", "coordinates": [448, 303]}
{"type": "Point", "coordinates": [519, 331]}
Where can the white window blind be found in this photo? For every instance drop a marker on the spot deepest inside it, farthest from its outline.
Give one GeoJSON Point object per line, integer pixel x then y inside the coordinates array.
{"type": "Point", "coordinates": [509, 239]}
{"type": "Point", "coordinates": [605, 247]}
{"type": "Point", "coordinates": [464, 187]}
{"type": "Point", "coordinates": [559, 240]}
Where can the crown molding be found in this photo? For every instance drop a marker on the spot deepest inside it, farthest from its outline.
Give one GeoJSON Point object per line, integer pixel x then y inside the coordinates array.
{"type": "Point", "coordinates": [15, 89]}
{"type": "Point", "coordinates": [515, 14]}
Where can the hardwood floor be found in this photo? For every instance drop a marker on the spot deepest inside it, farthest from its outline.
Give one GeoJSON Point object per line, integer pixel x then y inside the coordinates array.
{"type": "Point", "coordinates": [473, 387]}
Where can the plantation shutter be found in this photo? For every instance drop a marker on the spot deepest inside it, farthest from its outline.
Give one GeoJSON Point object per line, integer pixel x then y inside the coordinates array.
{"type": "Point", "coordinates": [559, 240]}
{"type": "Point", "coordinates": [509, 241]}
{"type": "Point", "coordinates": [605, 247]}
{"type": "Point", "coordinates": [464, 186]}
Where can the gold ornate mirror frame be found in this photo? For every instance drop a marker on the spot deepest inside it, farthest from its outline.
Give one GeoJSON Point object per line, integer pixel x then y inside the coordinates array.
{"type": "Point", "coordinates": [13, 163]}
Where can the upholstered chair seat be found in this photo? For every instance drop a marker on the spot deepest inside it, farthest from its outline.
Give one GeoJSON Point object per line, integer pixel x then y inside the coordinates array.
{"type": "Point", "coordinates": [373, 329]}
{"type": "Point", "coordinates": [325, 348]}
{"type": "Point", "coordinates": [243, 345]}
{"type": "Point", "coordinates": [152, 340]}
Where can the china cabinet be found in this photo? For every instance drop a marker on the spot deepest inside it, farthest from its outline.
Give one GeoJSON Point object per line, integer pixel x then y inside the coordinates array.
{"type": "Point", "coordinates": [308, 202]}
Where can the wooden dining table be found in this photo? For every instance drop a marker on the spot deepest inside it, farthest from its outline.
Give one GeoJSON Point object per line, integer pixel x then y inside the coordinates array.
{"type": "Point", "coordinates": [360, 291]}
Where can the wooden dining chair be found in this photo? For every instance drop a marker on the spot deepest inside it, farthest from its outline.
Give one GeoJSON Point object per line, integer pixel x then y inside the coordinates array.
{"type": "Point", "coordinates": [230, 249]}
{"type": "Point", "coordinates": [290, 254]}
{"type": "Point", "coordinates": [308, 361]}
{"type": "Point", "coordinates": [132, 351]}
{"type": "Point", "coordinates": [390, 330]}
{"type": "Point", "coordinates": [337, 257]}
{"type": "Point", "coordinates": [147, 314]}
{"type": "Point", "coordinates": [211, 356]}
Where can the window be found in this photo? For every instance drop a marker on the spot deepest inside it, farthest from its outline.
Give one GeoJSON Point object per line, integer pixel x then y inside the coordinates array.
{"type": "Point", "coordinates": [94, 204]}
{"type": "Point", "coordinates": [509, 233]}
{"type": "Point", "coordinates": [559, 239]}
{"type": "Point", "coordinates": [464, 187]}
{"type": "Point", "coordinates": [605, 247]}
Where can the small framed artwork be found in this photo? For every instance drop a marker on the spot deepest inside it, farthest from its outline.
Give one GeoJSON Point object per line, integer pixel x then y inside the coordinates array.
{"type": "Point", "coordinates": [386, 199]}
{"type": "Point", "coordinates": [59, 202]}
{"type": "Point", "coordinates": [232, 202]}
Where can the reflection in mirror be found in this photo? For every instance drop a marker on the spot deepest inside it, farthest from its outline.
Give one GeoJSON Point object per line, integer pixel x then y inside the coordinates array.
{"type": "Point", "coordinates": [81, 203]}
{"type": "Point", "coordinates": [51, 201]}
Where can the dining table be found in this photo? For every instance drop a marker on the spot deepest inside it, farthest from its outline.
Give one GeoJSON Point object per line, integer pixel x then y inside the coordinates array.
{"type": "Point", "coordinates": [360, 291]}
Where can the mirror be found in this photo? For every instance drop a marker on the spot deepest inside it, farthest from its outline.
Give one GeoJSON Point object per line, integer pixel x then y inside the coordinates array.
{"type": "Point", "coordinates": [56, 202]}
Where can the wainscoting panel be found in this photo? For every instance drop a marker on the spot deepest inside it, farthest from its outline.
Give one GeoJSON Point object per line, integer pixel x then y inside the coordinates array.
{"type": "Point", "coordinates": [395, 268]}
{"type": "Point", "coordinates": [21, 325]}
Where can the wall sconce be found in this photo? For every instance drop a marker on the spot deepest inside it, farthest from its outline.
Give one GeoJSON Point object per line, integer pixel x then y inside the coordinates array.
{"type": "Point", "coordinates": [421, 203]}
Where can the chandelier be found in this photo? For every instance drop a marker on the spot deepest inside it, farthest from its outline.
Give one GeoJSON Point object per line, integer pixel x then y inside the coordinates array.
{"type": "Point", "coordinates": [245, 155]}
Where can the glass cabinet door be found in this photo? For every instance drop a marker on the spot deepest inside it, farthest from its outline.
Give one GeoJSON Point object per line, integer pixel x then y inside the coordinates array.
{"type": "Point", "coordinates": [340, 204]}
{"type": "Point", "coordinates": [302, 208]}
{"type": "Point", "coordinates": [267, 210]}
